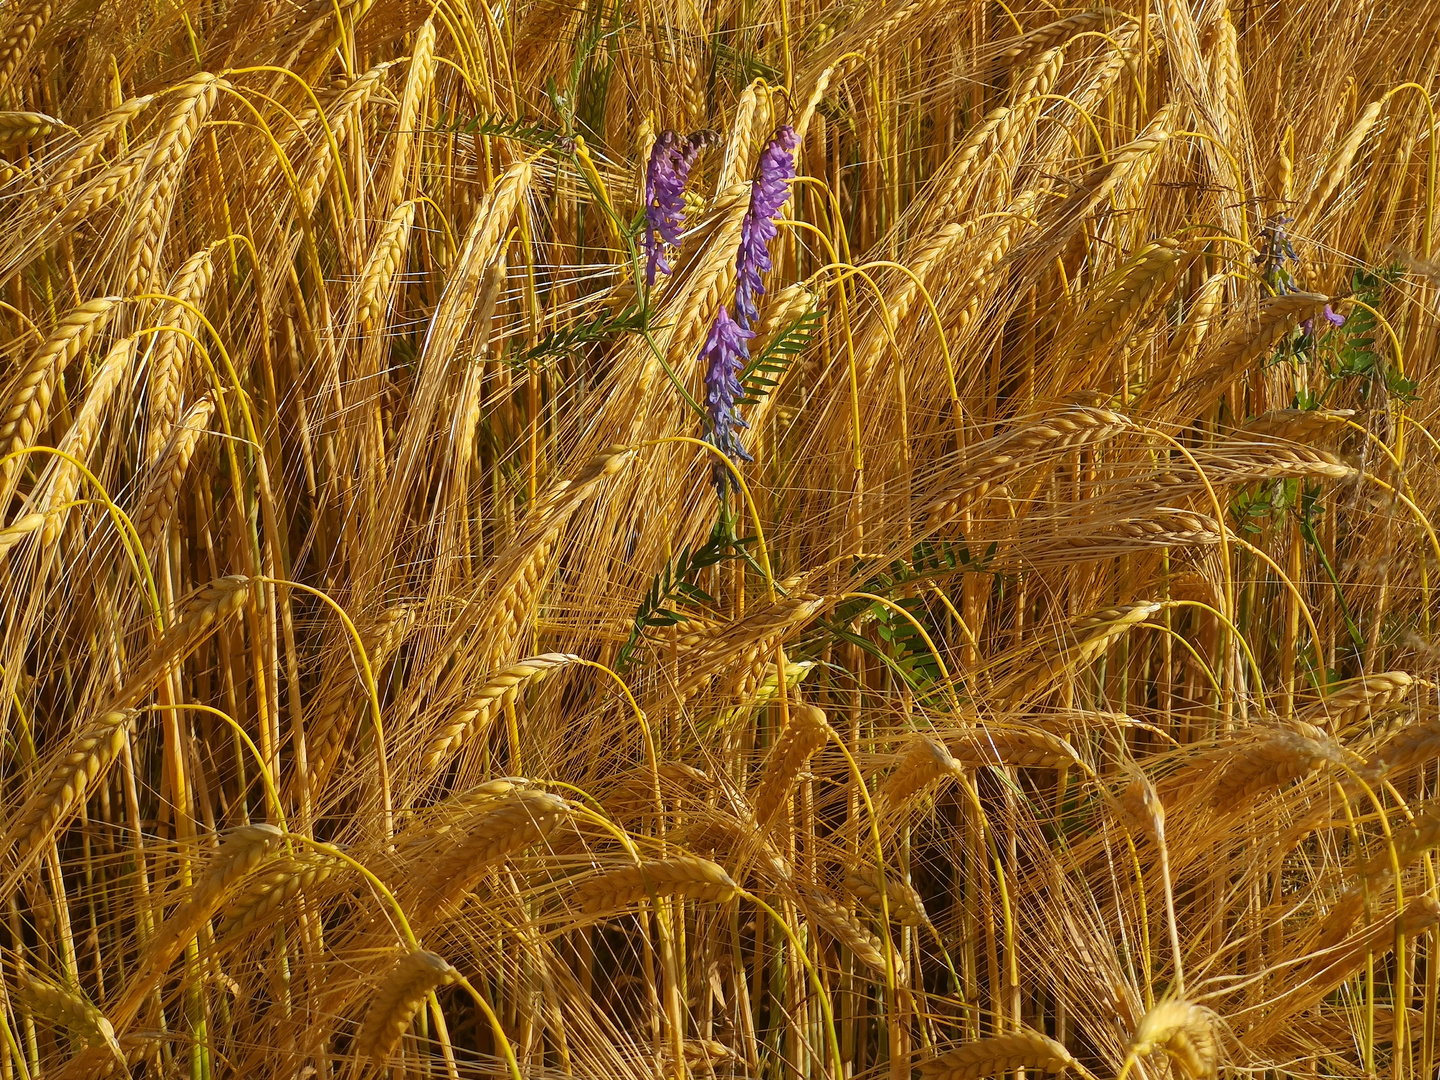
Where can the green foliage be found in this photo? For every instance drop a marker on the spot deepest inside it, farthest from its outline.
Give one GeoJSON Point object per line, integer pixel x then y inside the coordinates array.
{"type": "Point", "coordinates": [1354, 353]}
{"type": "Point", "coordinates": [900, 644]}
{"type": "Point", "coordinates": [765, 371]}
{"type": "Point", "coordinates": [526, 132]}
{"type": "Point", "coordinates": [567, 339]}
{"type": "Point", "coordinates": [676, 585]}
{"type": "Point", "coordinates": [1252, 507]}
{"type": "Point", "coordinates": [1307, 516]}
{"type": "Point", "coordinates": [591, 71]}
{"type": "Point", "coordinates": [742, 66]}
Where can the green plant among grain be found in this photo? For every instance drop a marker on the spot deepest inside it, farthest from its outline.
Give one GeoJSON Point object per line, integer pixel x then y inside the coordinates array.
{"type": "Point", "coordinates": [789, 540]}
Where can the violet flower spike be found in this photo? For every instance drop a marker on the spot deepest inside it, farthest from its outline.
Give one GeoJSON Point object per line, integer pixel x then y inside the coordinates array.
{"type": "Point", "coordinates": [769, 192]}
{"type": "Point", "coordinates": [725, 353]}
{"type": "Point", "coordinates": [666, 174]}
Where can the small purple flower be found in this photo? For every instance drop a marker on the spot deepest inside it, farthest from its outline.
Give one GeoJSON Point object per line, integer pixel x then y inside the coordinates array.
{"type": "Point", "coordinates": [769, 192]}
{"type": "Point", "coordinates": [665, 177]}
{"type": "Point", "coordinates": [725, 353]}
{"type": "Point", "coordinates": [1308, 326]}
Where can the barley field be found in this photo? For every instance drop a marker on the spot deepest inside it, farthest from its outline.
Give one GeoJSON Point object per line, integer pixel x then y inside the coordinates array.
{"type": "Point", "coordinates": [612, 540]}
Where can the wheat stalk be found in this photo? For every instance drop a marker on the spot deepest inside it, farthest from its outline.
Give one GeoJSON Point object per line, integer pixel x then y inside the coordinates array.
{"type": "Point", "coordinates": [1023, 1049]}
{"type": "Point", "coordinates": [687, 878]}
{"type": "Point", "coordinates": [28, 395]}
{"type": "Point", "coordinates": [397, 1000]}
{"type": "Point", "coordinates": [1186, 1034]}
{"type": "Point", "coordinates": [804, 735]}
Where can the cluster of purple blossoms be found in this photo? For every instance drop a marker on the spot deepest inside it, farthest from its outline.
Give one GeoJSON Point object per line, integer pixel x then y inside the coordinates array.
{"type": "Point", "coordinates": [666, 174]}
{"type": "Point", "coordinates": [1276, 255]}
{"type": "Point", "coordinates": [726, 348]}
{"type": "Point", "coordinates": [725, 352]}
{"type": "Point", "coordinates": [769, 192]}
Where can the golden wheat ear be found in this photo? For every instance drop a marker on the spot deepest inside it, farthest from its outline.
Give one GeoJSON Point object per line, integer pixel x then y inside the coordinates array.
{"type": "Point", "coordinates": [398, 998]}
{"type": "Point", "coordinates": [1023, 1049]}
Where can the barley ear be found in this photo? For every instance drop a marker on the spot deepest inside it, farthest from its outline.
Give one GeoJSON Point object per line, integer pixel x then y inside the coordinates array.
{"type": "Point", "coordinates": [690, 878]}
{"type": "Point", "coordinates": [805, 734]}
{"type": "Point", "coordinates": [1185, 1032]}
{"type": "Point", "coordinates": [397, 1001]}
{"type": "Point", "coordinates": [990, 1057]}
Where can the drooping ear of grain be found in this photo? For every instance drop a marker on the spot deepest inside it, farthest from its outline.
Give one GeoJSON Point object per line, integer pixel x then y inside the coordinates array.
{"type": "Point", "coordinates": [524, 817]}
{"type": "Point", "coordinates": [1092, 635]}
{"type": "Point", "coordinates": [1034, 748]}
{"type": "Point", "coordinates": [476, 716]}
{"type": "Point", "coordinates": [68, 1009]}
{"type": "Point", "coordinates": [1184, 1032]}
{"type": "Point", "coordinates": [23, 526]}
{"type": "Point", "coordinates": [1024, 1049]}
{"type": "Point", "coordinates": [385, 257]}
{"type": "Point", "coordinates": [902, 900]}
{"type": "Point", "coordinates": [397, 1000]}
{"type": "Point", "coordinates": [1253, 768]}
{"type": "Point", "coordinates": [1339, 165]}
{"type": "Point", "coordinates": [163, 493]}
{"type": "Point", "coordinates": [241, 852]}
{"type": "Point", "coordinates": [1370, 695]}
{"type": "Point", "coordinates": [804, 735]}
{"type": "Point", "coordinates": [27, 397]}
{"type": "Point", "coordinates": [173, 348]}
{"type": "Point", "coordinates": [69, 779]}
{"type": "Point", "coordinates": [923, 764]}
{"type": "Point", "coordinates": [81, 436]}
{"type": "Point", "coordinates": [847, 929]}
{"type": "Point", "coordinates": [96, 136]}
{"type": "Point", "coordinates": [688, 878]}
{"type": "Point", "coordinates": [270, 893]}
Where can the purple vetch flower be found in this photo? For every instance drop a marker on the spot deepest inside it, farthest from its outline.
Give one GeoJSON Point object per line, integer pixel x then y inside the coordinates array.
{"type": "Point", "coordinates": [1308, 326]}
{"type": "Point", "coordinates": [769, 192]}
{"type": "Point", "coordinates": [665, 177]}
{"type": "Point", "coordinates": [725, 353]}
{"type": "Point", "coordinates": [1276, 256]}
